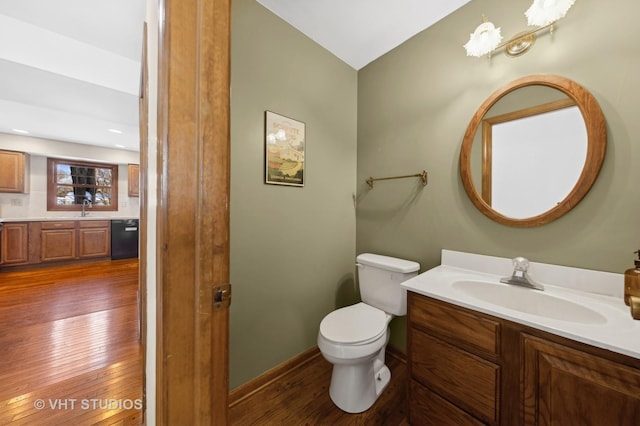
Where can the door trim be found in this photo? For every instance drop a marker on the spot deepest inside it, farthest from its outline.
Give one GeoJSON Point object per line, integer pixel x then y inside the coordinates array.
{"type": "Point", "coordinates": [193, 211]}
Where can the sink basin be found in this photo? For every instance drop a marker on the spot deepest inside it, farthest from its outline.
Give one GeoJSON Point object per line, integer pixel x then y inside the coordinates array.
{"type": "Point", "coordinates": [529, 301]}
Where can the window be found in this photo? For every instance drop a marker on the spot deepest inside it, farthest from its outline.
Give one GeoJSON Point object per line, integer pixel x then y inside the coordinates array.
{"type": "Point", "coordinates": [72, 183]}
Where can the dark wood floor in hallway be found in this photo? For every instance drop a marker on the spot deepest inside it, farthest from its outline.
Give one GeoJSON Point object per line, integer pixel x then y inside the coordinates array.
{"type": "Point", "coordinates": [69, 345]}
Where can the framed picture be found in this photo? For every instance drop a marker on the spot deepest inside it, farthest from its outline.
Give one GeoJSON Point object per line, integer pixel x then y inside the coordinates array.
{"type": "Point", "coordinates": [284, 146]}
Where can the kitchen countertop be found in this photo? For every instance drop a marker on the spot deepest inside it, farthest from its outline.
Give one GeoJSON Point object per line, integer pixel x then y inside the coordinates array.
{"type": "Point", "coordinates": [64, 218]}
{"type": "Point", "coordinates": [618, 333]}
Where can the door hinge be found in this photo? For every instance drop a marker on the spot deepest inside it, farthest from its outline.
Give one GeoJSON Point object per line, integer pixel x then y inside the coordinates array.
{"type": "Point", "coordinates": [221, 296]}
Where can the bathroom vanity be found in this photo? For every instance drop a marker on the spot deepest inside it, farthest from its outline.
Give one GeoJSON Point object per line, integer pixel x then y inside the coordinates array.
{"type": "Point", "coordinates": [474, 362]}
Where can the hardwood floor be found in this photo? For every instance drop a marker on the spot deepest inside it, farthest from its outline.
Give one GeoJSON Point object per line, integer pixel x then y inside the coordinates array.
{"type": "Point", "coordinates": [301, 397]}
{"type": "Point", "coordinates": [69, 345]}
{"type": "Point", "coordinates": [70, 355]}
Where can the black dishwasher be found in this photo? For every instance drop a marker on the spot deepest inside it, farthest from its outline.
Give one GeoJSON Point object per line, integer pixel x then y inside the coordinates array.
{"type": "Point", "coordinates": [124, 238]}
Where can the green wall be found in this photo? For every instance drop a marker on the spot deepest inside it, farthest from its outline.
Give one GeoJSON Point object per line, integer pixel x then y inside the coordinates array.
{"type": "Point", "coordinates": [292, 249]}
{"type": "Point", "coordinates": [415, 103]}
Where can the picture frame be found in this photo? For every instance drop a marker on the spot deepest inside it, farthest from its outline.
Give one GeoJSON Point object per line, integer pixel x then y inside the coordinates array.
{"type": "Point", "coordinates": [284, 150]}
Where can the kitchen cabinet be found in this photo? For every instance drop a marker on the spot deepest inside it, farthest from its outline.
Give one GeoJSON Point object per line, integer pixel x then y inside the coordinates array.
{"type": "Point", "coordinates": [14, 247]}
{"type": "Point", "coordinates": [14, 171]}
{"type": "Point", "coordinates": [134, 180]}
{"type": "Point", "coordinates": [470, 368]}
{"type": "Point", "coordinates": [57, 241]}
{"type": "Point", "coordinates": [94, 239]}
{"type": "Point", "coordinates": [47, 242]}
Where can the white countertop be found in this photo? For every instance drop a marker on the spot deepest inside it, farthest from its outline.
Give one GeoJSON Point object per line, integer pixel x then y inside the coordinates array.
{"type": "Point", "coordinates": [618, 332]}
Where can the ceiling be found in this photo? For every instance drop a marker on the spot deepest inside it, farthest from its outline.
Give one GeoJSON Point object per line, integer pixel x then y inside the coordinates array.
{"type": "Point", "coordinates": [71, 68]}
{"type": "Point", "coordinates": [360, 31]}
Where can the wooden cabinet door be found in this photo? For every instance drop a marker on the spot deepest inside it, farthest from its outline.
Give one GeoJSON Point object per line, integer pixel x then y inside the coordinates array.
{"type": "Point", "coordinates": [57, 241]}
{"type": "Point", "coordinates": [563, 386]}
{"type": "Point", "coordinates": [13, 171]}
{"type": "Point", "coordinates": [15, 244]}
{"type": "Point", "coordinates": [94, 239]}
{"type": "Point", "coordinates": [134, 180]}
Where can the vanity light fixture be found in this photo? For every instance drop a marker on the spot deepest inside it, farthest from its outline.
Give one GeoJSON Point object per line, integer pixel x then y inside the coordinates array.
{"type": "Point", "coordinates": [542, 14]}
{"type": "Point", "coordinates": [484, 40]}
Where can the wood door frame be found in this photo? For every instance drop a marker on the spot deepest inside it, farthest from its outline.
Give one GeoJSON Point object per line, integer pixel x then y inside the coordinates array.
{"type": "Point", "coordinates": [193, 211]}
{"type": "Point", "coordinates": [143, 110]}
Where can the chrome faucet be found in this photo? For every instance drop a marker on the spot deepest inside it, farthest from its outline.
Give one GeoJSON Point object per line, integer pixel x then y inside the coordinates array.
{"type": "Point", "coordinates": [520, 276]}
{"type": "Point", "coordinates": [85, 203]}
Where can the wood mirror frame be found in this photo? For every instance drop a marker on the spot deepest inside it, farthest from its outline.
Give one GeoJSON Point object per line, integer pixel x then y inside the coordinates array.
{"type": "Point", "coordinates": [596, 148]}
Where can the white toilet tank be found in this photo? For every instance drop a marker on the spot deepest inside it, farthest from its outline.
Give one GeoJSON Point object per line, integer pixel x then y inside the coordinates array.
{"type": "Point", "coordinates": [380, 278]}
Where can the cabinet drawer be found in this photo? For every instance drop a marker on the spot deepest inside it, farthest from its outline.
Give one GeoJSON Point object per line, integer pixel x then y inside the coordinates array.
{"type": "Point", "coordinates": [429, 408]}
{"type": "Point", "coordinates": [93, 223]}
{"type": "Point", "coordinates": [463, 378]}
{"type": "Point", "coordinates": [467, 328]}
{"type": "Point", "coordinates": [70, 224]}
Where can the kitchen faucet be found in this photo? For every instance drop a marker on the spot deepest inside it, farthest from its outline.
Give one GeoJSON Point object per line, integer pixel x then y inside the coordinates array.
{"type": "Point", "coordinates": [520, 276]}
{"type": "Point", "coordinates": [85, 203]}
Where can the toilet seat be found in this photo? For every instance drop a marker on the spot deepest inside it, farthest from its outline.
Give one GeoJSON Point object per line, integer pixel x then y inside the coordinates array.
{"type": "Point", "coordinates": [354, 325]}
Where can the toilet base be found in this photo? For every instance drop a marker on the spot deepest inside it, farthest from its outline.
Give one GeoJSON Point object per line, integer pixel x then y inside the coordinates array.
{"type": "Point", "coordinates": [355, 388]}
{"type": "Point", "coordinates": [382, 379]}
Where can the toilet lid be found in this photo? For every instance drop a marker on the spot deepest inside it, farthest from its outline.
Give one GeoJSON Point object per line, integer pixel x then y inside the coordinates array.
{"type": "Point", "coordinates": [354, 324]}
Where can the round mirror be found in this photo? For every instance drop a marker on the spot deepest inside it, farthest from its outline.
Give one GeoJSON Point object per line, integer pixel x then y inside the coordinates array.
{"type": "Point", "coordinates": [533, 150]}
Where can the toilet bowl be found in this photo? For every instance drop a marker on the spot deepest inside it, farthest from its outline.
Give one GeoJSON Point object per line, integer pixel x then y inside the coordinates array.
{"type": "Point", "coordinates": [354, 338]}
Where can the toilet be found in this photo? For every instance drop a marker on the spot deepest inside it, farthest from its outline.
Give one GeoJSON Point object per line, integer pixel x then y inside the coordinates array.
{"type": "Point", "coordinates": [354, 338]}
